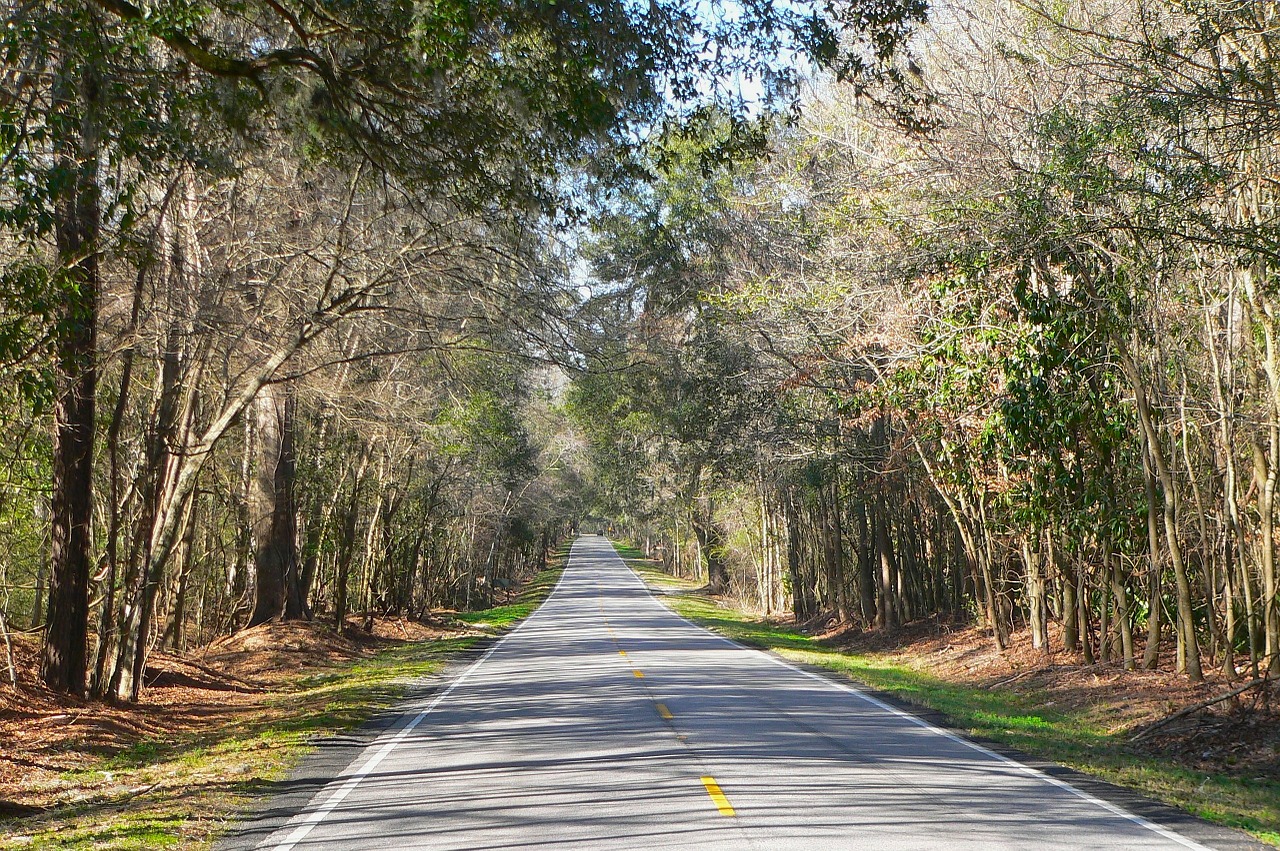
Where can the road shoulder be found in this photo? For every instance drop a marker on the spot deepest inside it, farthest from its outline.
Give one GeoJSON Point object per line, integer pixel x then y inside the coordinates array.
{"type": "Point", "coordinates": [797, 650]}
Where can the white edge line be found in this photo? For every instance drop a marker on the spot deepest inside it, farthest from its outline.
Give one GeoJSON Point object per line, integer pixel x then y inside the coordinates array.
{"type": "Point", "coordinates": [307, 821]}
{"type": "Point", "coordinates": [946, 734]}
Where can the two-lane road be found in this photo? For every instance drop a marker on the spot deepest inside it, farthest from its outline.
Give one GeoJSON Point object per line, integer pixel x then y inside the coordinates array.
{"type": "Point", "coordinates": [605, 721]}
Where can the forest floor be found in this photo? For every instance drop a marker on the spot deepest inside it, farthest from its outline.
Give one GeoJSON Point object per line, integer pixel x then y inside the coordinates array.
{"type": "Point", "coordinates": [215, 728]}
{"type": "Point", "coordinates": [1221, 763]}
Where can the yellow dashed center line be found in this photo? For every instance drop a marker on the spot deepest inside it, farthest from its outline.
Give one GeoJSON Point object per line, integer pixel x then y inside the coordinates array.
{"type": "Point", "coordinates": [639, 674]}
{"type": "Point", "coordinates": [664, 711]}
{"type": "Point", "coordinates": [622, 653]}
{"type": "Point", "coordinates": [717, 797]}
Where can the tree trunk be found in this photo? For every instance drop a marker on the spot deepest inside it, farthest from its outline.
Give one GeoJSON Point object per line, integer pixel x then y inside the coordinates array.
{"type": "Point", "coordinates": [106, 623]}
{"type": "Point", "coordinates": [1190, 650]}
{"type": "Point", "coordinates": [1036, 605]}
{"type": "Point", "coordinates": [347, 549]}
{"type": "Point", "coordinates": [319, 513]}
{"type": "Point", "coordinates": [710, 542]}
{"type": "Point", "coordinates": [866, 571]}
{"type": "Point", "coordinates": [1082, 613]}
{"type": "Point", "coordinates": [1264, 481]}
{"type": "Point", "coordinates": [801, 601]}
{"type": "Point", "coordinates": [1151, 655]}
{"type": "Point", "coordinates": [886, 611]}
{"type": "Point", "coordinates": [63, 663]}
{"type": "Point", "coordinates": [139, 605]}
{"type": "Point", "coordinates": [1067, 579]}
{"type": "Point", "coordinates": [177, 623]}
{"type": "Point", "coordinates": [833, 550]}
{"type": "Point", "coordinates": [1120, 598]}
{"type": "Point", "coordinates": [273, 510]}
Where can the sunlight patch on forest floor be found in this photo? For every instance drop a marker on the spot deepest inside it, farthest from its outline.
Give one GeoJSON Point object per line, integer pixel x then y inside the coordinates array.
{"type": "Point", "coordinates": [217, 729]}
{"type": "Point", "coordinates": [1077, 716]}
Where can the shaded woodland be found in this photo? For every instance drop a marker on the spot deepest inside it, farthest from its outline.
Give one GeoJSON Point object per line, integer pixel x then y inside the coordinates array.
{"type": "Point", "coordinates": [870, 312]}
{"type": "Point", "coordinates": [993, 341]}
{"type": "Point", "coordinates": [287, 293]}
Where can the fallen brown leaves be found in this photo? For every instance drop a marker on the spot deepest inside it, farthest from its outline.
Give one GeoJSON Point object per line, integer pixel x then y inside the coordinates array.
{"type": "Point", "coordinates": [53, 745]}
{"type": "Point", "coordinates": [1239, 736]}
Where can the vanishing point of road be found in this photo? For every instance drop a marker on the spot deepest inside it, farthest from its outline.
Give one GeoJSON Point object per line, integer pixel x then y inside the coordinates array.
{"type": "Point", "coordinates": [605, 721]}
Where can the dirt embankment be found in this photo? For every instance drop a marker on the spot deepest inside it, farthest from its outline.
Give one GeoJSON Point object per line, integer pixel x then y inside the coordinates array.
{"type": "Point", "coordinates": [57, 750]}
{"type": "Point", "coordinates": [1239, 735]}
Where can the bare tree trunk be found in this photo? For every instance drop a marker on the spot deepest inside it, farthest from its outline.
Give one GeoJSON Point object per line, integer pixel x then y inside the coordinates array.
{"type": "Point", "coordinates": [886, 610]}
{"type": "Point", "coordinates": [64, 660]}
{"type": "Point", "coordinates": [1063, 569]}
{"type": "Point", "coordinates": [319, 514]}
{"type": "Point", "coordinates": [347, 546]}
{"type": "Point", "coordinates": [994, 593]}
{"type": "Point", "coordinates": [135, 626]}
{"type": "Point", "coordinates": [8, 649]}
{"type": "Point", "coordinates": [1233, 541]}
{"type": "Point", "coordinates": [1082, 614]}
{"type": "Point", "coordinates": [273, 509]}
{"type": "Point", "coordinates": [1151, 654]}
{"type": "Point", "coordinates": [710, 542]}
{"type": "Point", "coordinates": [1190, 650]}
{"type": "Point", "coordinates": [1037, 607]}
{"type": "Point", "coordinates": [1120, 599]}
{"type": "Point", "coordinates": [4, 627]}
{"type": "Point", "coordinates": [177, 623]}
{"type": "Point", "coordinates": [833, 548]}
{"type": "Point", "coordinates": [801, 599]}
{"type": "Point", "coordinates": [1265, 458]}
{"type": "Point", "coordinates": [866, 571]}
{"type": "Point", "coordinates": [1264, 482]}
{"type": "Point", "coordinates": [106, 632]}
{"type": "Point", "coordinates": [370, 560]}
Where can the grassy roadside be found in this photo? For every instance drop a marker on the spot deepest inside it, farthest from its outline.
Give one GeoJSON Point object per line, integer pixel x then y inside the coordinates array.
{"type": "Point", "coordinates": [1023, 720]}
{"type": "Point", "coordinates": [185, 789]}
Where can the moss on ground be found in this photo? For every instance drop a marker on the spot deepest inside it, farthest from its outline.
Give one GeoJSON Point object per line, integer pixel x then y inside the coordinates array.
{"type": "Point", "coordinates": [1019, 719]}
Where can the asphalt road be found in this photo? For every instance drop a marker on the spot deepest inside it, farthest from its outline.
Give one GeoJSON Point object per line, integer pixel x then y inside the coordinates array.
{"type": "Point", "coordinates": [605, 721]}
